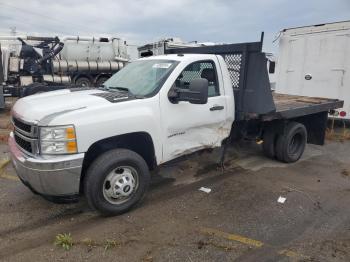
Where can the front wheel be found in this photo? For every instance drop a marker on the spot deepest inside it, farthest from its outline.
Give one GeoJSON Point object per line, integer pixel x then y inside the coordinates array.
{"type": "Point", "coordinates": [116, 181]}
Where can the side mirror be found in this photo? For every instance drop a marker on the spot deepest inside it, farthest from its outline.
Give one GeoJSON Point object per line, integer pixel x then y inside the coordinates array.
{"type": "Point", "coordinates": [196, 94]}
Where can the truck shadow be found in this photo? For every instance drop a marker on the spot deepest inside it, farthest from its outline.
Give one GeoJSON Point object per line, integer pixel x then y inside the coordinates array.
{"type": "Point", "coordinates": [167, 182]}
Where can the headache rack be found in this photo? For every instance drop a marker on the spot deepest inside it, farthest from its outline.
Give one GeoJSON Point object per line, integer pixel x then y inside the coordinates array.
{"type": "Point", "coordinates": [247, 65]}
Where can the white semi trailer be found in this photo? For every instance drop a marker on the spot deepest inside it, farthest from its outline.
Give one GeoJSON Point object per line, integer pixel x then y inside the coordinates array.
{"type": "Point", "coordinates": [315, 61]}
{"type": "Point", "coordinates": [30, 64]}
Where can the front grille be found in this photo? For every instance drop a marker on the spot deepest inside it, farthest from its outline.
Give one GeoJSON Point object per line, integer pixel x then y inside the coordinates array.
{"type": "Point", "coordinates": [26, 135]}
{"type": "Point", "coordinates": [21, 125]}
{"type": "Point", "coordinates": [26, 145]}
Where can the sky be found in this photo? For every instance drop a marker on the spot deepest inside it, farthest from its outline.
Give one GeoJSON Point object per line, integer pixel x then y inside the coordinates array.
{"type": "Point", "coordinates": [143, 21]}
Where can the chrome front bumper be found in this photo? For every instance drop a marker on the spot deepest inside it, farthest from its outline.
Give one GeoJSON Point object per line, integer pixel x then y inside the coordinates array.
{"type": "Point", "coordinates": [54, 176]}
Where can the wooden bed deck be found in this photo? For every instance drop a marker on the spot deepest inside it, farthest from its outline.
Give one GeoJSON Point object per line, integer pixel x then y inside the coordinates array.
{"type": "Point", "coordinates": [289, 106]}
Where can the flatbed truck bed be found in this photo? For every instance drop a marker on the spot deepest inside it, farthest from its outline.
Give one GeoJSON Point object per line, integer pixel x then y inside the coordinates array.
{"type": "Point", "coordinates": [291, 106]}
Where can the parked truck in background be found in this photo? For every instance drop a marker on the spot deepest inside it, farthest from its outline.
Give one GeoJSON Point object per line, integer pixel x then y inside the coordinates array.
{"type": "Point", "coordinates": [103, 143]}
{"type": "Point", "coordinates": [30, 64]}
{"type": "Point", "coordinates": [315, 61]}
{"type": "Point", "coordinates": [160, 47]}
{"type": "Point", "coordinates": [271, 69]}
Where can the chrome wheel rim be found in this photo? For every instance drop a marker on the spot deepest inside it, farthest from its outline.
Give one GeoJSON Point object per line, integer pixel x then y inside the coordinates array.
{"type": "Point", "coordinates": [120, 185]}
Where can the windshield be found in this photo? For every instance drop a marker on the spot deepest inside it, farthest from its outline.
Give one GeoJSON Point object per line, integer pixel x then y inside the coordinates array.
{"type": "Point", "coordinates": [141, 78]}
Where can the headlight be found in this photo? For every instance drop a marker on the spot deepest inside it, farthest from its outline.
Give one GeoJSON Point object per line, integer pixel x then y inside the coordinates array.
{"type": "Point", "coordinates": [58, 140]}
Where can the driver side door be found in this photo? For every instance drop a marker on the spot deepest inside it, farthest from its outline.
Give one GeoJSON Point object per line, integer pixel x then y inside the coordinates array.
{"type": "Point", "coordinates": [188, 127]}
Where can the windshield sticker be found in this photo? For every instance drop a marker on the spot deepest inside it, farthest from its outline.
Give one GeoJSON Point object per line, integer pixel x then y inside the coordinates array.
{"type": "Point", "coordinates": [162, 65]}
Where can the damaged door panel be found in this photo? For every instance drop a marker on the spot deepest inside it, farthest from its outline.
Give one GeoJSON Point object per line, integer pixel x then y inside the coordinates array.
{"type": "Point", "coordinates": [192, 127]}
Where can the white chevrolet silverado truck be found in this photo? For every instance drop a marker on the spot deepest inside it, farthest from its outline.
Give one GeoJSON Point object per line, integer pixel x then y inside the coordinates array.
{"type": "Point", "coordinates": [103, 143]}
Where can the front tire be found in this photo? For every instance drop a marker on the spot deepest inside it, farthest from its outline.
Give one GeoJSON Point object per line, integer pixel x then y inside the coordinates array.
{"type": "Point", "coordinates": [116, 181]}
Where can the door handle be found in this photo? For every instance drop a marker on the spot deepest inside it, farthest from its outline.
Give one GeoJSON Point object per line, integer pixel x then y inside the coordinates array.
{"type": "Point", "coordinates": [215, 108]}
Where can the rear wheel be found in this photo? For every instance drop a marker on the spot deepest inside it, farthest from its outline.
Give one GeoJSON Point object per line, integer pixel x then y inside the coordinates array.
{"type": "Point", "coordinates": [291, 144]}
{"type": "Point", "coordinates": [101, 80]}
{"type": "Point", "coordinates": [83, 81]}
{"type": "Point", "coordinates": [116, 181]}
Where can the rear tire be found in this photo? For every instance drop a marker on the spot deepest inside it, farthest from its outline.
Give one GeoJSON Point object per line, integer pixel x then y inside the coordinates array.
{"type": "Point", "coordinates": [83, 81]}
{"type": "Point", "coordinates": [101, 80]}
{"type": "Point", "coordinates": [116, 181]}
{"type": "Point", "coordinates": [290, 145]}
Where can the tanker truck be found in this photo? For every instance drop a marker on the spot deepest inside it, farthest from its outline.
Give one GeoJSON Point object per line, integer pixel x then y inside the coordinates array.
{"type": "Point", "coordinates": [32, 64]}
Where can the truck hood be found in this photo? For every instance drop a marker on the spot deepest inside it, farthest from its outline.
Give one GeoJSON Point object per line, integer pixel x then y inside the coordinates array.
{"type": "Point", "coordinates": [42, 108]}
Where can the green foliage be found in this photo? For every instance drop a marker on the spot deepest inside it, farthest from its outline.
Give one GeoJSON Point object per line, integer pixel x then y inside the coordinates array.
{"type": "Point", "coordinates": [64, 240]}
{"type": "Point", "coordinates": [110, 244]}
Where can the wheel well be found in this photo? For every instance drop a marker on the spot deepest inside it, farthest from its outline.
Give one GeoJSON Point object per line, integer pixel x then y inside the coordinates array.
{"type": "Point", "coordinates": [139, 142]}
{"type": "Point", "coordinates": [315, 124]}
